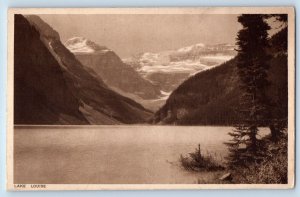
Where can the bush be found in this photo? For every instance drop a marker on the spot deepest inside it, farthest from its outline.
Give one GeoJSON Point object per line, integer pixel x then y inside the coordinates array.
{"type": "Point", "coordinates": [197, 162]}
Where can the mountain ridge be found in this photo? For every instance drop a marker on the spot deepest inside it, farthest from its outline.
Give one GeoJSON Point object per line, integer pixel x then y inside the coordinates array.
{"type": "Point", "coordinates": [109, 66]}
{"type": "Point", "coordinates": [96, 103]}
{"type": "Point", "coordinates": [170, 68]}
{"type": "Point", "coordinates": [211, 97]}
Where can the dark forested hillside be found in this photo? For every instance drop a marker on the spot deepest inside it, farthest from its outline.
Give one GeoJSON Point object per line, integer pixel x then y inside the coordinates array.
{"type": "Point", "coordinates": [212, 97]}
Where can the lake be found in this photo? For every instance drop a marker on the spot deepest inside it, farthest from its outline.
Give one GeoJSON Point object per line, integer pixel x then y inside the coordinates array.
{"type": "Point", "coordinates": [113, 154]}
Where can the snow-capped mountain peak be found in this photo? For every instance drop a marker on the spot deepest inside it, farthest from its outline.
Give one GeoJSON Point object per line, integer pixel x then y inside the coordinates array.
{"type": "Point", "coordinates": [189, 59]}
{"type": "Point", "coordinates": [83, 45]}
{"type": "Point", "coordinates": [190, 48]}
{"type": "Point", "coordinates": [170, 68]}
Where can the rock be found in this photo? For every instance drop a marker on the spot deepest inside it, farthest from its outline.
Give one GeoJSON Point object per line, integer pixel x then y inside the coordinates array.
{"type": "Point", "coordinates": [226, 177]}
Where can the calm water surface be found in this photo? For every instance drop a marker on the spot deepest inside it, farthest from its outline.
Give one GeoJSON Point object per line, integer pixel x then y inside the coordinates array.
{"type": "Point", "coordinates": [104, 155]}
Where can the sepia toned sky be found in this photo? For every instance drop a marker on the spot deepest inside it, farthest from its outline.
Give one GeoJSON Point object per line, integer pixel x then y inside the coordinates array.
{"type": "Point", "coordinates": [132, 34]}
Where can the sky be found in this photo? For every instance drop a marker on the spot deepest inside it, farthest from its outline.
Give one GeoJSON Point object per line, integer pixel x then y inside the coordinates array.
{"type": "Point", "coordinates": [128, 34]}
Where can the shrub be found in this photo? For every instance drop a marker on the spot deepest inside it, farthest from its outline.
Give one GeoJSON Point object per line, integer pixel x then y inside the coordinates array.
{"type": "Point", "coordinates": [195, 161]}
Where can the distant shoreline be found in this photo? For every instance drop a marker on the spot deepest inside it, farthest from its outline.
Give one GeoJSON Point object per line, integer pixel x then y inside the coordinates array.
{"type": "Point", "coordinates": [116, 126]}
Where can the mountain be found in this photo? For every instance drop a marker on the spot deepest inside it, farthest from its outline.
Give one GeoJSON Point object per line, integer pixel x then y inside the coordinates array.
{"type": "Point", "coordinates": [40, 98]}
{"type": "Point", "coordinates": [52, 87]}
{"type": "Point", "coordinates": [119, 76]}
{"type": "Point", "coordinates": [168, 69]}
{"type": "Point", "coordinates": [211, 97]}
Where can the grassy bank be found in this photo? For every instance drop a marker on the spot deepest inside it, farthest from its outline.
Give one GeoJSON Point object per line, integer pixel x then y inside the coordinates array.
{"type": "Point", "coordinates": [271, 170]}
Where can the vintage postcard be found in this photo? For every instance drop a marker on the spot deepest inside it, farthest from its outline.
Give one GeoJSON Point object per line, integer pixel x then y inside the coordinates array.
{"type": "Point", "coordinates": [151, 98]}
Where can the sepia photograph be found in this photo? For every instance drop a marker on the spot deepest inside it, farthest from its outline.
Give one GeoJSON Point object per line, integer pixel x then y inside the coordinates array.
{"type": "Point", "coordinates": [151, 98]}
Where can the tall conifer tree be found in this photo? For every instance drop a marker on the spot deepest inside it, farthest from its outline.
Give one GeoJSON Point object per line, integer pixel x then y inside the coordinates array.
{"type": "Point", "coordinates": [252, 67]}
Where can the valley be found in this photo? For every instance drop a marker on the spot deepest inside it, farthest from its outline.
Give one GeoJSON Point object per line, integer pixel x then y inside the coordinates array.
{"type": "Point", "coordinates": [83, 82]}
{"type": "Point", "coordinates": [148, 78]}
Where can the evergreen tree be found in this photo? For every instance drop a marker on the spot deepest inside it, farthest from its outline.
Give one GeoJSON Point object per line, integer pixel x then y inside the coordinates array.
{"type": "Point", "coordinates": [236, 152]}
{"type": "Point", "coordinates": [252, 67]}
